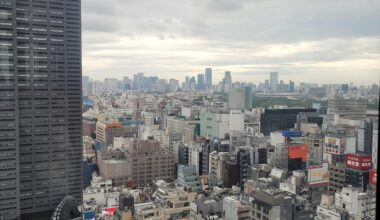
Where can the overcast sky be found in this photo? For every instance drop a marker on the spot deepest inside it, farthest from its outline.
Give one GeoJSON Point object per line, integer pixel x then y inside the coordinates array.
{"type": "Point", "coordinates": [322, 41]}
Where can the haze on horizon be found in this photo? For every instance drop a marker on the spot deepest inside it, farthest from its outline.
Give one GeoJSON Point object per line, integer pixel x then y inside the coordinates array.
{"type": "Point", "coordinates": [304, 41]}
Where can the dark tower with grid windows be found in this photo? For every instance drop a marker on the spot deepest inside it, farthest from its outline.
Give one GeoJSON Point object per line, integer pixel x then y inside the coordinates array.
{"type": "Point", "coordinates": [40, 106]}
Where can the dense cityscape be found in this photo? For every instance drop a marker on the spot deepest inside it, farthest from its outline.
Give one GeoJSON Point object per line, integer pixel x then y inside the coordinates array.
{"type": "Point", "coordinates": [188, 147]}
{"type": "Point", "coordinates": [155, 149]}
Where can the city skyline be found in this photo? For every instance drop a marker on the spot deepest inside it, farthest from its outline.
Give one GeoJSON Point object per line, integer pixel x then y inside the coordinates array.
{"type": "Point", "coordinates": [322, 43]}
{"type": "Point", "coordinates": [206, 109]}
{"type": "Point", "coordinates": [216, 82]}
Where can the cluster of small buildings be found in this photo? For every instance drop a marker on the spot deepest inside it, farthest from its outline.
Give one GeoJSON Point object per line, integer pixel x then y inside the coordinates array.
{"type": "Point", "coordinates": [202, 155]}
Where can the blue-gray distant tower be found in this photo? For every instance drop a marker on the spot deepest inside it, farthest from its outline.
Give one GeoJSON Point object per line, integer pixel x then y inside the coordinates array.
{"type": "Point", "coordinates": [227, 81]}
{"type": "Point", "coordinates": [208, 76]}
{"type": "Point", "coordinates": [40, 106]}
{"type": "Point", "coordinates": [201, 82]}
{"type": "Point", "coordinates": [273, 81]}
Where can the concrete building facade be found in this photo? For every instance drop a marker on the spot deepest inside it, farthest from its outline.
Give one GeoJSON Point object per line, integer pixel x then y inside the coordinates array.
{"type": "Point", "coordinates": [106, 132]}
{"type": "Point", "coordinates": [40, 106]}
{"type": "Point", "coordinates": [150, 162]}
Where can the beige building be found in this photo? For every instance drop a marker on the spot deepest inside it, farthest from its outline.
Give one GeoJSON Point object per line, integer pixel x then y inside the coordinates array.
{"type": "Point", "coordinates": [176, 124]}
{"type": "Point", "coordinates": [150, 162]}
{"type": "Point", "coordinates": [189, 133]}
{"type": "Point", "coordinates": [114, 165]}
{"type": "Point", "coordinates": [147, 211]}
{"type": "Point", "coordinates": [217, 167]}
{"type": "Point", "coordinates": [178, 205]}
{"type": "Point", "coordinates": [107, 131]}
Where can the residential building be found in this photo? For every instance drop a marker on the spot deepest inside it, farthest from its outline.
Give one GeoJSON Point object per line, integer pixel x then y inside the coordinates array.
{"type": "Point", "coordinates": [359, 204]}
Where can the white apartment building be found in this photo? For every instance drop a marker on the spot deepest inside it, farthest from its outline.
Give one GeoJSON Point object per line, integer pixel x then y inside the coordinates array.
{"type": "Point", "coordinates": [359, 204]}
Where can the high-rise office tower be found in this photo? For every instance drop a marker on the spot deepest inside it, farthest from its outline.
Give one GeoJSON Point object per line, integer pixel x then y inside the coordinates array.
{"type": "Point", "coordinates": [236, 98]}
{"type": "Point", "coordinates": [192, 84]}
{"type": "Point", "coordinates": [227, 81]}
{"type": "Point", "coordinates": [138, 81]}
{"type": "Point", "coordinates": [291, 86]}
{"type": "Point", "coordinates": [201, 82]}
{"type": "Point", "coordinates": [266, 85]}
{"type": "Point", "coordinates": [208, 75]}
{"type": "Point", "coordinates": [40, 106]}
{"type": "Point", "coordinates": [227, 77]}
{"type": "Point", "coordinates": [273, 81]}
{"type": "Point", "coordinates": [240, 98]}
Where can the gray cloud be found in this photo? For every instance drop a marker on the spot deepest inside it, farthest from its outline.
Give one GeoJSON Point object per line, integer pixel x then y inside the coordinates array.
{"type": "Point", "coordinates": [183, 36]}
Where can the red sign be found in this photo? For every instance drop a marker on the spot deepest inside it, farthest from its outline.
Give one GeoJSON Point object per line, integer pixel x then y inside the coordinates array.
{"type": "Point", "coordinates": [298, 151]}
{"type": "Point", "coordinates": [358, 162]}
{"type": "Point", "coordinates": [108, 211]}
{"type": "Point", "coordinates": [373, 177]}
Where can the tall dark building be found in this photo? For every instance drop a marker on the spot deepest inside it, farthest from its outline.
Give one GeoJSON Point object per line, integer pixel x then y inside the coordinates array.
{"type": "Point", "coordinates": [243, 164]}
{"type": "Point", "coordinates": [40, 106]}
{"type": "Point", "coordinates": [210, 146]}
{"type": "Point", "coordinates": [309, 117]}
{"type": "Point", "coordinates": [280, 119]}
{"type": "Point", "coordinates": [183, 155]}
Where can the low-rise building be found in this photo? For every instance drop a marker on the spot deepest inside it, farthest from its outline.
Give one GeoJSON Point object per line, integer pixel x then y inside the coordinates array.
{"type": "Point", "coordinates": [114, 165]}
{"type": "Point", "coordinates": [177, 205]}
{"type": "Point", "coordinates": [359, 204]}
{"type": "Point", "coordinates": [107, 131]}
{"type": "Point", "coordinates": [187, 177]}
{"type": "Point", "coordinates": [234, 209]}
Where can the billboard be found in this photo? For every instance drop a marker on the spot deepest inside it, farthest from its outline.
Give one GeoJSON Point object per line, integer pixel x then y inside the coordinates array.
{"type": "Point", "coordinates": [108, 211]}
{"type": "Point", "coordinates": [289, 134]}
{"type": "Point", "coordinates": [318, 174]}
{"type": "Point", "coordinates": [373, 177]}
{"type": "Point", "coordinates": [332, 141]}
{"type": "Point", "coordinates": [89, 215]}
{"type": "Point", "coordinates": [298, 151]}
{"type": "Point", "coordinates": [332, 146]}
{"type": "Point", "coordinates": [358, 162]}
{"type": "Point", "coordinates": [88, 102]}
